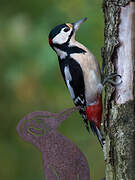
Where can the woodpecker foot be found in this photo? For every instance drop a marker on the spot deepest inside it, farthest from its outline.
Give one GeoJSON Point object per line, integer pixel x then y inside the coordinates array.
{"type": "Point", "coordinates": [111, 79]}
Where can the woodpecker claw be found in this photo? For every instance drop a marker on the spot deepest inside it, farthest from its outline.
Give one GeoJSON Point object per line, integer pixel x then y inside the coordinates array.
{"type": "Point", "coordinates": [110, 77]}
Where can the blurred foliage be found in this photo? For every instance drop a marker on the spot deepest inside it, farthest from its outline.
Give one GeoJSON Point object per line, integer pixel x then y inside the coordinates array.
{"type": "Point", "coordinates": [31, 80]}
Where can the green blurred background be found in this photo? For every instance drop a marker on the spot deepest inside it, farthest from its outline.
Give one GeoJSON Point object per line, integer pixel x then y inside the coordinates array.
{"type": "Point", "coordinates": [31, 80]}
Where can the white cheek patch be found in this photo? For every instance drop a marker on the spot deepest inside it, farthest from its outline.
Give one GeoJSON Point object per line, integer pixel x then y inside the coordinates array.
{"type": "Point", "coordinates": [62, 37]}
{"type": "Point", "coordinates": [68, 78]}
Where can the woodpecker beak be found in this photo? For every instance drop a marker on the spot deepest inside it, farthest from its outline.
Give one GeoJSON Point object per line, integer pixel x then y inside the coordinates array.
{"type": "Point", "coordinates": [77, 24]}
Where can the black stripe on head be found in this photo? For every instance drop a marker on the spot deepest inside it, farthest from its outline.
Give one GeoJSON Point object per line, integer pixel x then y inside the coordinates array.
{"type": "Point", "coordinates": [71, 34]}
{"type": "Point", "coordinates": [56, 30]}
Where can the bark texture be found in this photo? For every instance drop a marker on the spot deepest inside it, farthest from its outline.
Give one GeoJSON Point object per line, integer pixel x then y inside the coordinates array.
{"type": "Point", "coordinates": [119, 56]}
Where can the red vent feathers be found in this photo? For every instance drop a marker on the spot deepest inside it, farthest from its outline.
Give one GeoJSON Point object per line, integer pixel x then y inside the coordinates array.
{"type": "Point", "coordinates": [94, 112]}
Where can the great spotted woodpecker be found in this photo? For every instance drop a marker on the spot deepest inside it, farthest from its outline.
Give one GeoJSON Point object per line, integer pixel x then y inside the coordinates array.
{"type": "Point", "coordinates": [81, 73]}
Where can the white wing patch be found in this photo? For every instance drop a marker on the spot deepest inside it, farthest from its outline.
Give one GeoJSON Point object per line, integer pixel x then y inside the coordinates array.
{"type": "Point", "coordinates": [78, 99]}
{"type": "Point", "coordinates": [68, 78]}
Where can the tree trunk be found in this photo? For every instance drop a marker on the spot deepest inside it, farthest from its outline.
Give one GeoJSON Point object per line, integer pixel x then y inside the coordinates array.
{"type": "Point", "coordinates": [119, 56]}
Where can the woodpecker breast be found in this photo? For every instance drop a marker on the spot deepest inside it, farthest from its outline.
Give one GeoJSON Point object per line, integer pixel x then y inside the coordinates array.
{"type": "Point", "coordinates": [91, 72]}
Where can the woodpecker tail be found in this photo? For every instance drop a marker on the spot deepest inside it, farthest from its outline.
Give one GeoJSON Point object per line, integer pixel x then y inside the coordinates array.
{"type": "Point", "coordinates": [85, 120]}
{"type": "Point", "coordinates": [94, 116]}
{"type": "Point", "coordinates": [98, 132]}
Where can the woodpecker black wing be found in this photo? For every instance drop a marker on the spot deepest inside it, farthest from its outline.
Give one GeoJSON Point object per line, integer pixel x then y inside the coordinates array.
{"type": "Point", "coordinates": [73, 76]}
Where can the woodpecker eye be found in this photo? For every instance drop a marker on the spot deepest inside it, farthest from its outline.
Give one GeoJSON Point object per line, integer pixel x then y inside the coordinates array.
{"type": "Point", "coordinates": [66, 29]}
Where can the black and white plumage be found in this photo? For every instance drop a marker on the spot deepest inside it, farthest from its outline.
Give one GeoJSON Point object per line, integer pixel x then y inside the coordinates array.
{"type": "Point", "coordinates": [81, 72]}
{"type": "Point", "coordinates": [73, 77]}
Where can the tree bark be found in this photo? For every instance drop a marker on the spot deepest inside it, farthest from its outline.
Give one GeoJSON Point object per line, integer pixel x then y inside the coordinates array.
{"type": "Point", "coordinates": [119, 56]}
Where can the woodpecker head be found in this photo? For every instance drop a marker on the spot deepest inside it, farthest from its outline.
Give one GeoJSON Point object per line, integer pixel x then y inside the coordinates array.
{"type": "Point", "coordinates": [62, 34]}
